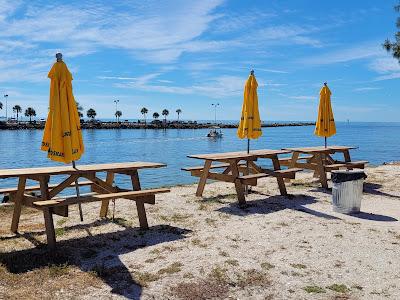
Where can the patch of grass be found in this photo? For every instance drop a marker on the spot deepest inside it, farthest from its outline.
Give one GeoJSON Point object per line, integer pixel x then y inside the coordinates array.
{"type": "Point", "coordinates": [299, 266]}
{"type": "Point", "coordinates": [339, 288]}
{"type": "Point", "coordinates": [313, 289]}
{"type": "Point", "coordinates": [61, 221]}
{"type": "Point", "coordinates": [171, 269]}
{"type": "Point", "coordinates": [122, 222]}
{"type": "Point", "coordinates": [211, 222]}
{"type": "Point", "coordinates": [219, 274]}
{"type": "Point", "coordinates": [60, 231]}
{"type": "Point", "coordinates": [232, 262]}
{"type": "Point", "coordinates": [253, 277]}
{"type": "Point", "coordinates": [59, 270]}
{"type": "Point", "coordinates": [338, 235]}
{"type": "Point", "coordinates": [283, 224]}
{"type": "Point", "coordinates": [176, 218]}
{"type": "Point", "coordinates": [200, 290]}
{"type": "Point", "coordinates": [198, 243]}
{"type": "Point", "coordinates": [144, 278]}
{"type": "Point", "coordinates": [267, 266]}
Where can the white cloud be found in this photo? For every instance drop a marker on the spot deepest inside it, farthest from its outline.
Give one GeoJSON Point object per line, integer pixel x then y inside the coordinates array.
{"type": "Point", "coordinates": [365, 89]}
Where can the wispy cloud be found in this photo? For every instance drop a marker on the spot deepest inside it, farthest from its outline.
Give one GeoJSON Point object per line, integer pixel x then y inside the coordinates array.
{"type": "Point", "coordinates": [366, 89]}
{"type": "Point", "coordinates": [388, 67]}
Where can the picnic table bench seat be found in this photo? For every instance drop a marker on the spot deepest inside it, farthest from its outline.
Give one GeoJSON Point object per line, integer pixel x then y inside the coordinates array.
{"type": "Point", "coordinates": [57, 204]}
{"type": "Point", "coordinates": [347, 165]}
{"type": "Point", "coordinates": [286, 161]}
{"type": "Point", "coordinates": [215, 166]}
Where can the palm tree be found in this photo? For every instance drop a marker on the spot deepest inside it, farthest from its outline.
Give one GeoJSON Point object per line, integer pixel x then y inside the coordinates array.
{"type": "Point", "coordinates": [118, 114]}
{"type": "Point", "coordinates": [80, 109]}
{"type": "Point", "coordinates": [91, 113]}
{"type": "Point", "coordinates": [156, 115]}
{"type": "Point", "coordinates": [165, 113]}
{"type": "Point", "coordinates": [30, 112]}
{"type": "Point", "coordinates": [178, 111]}
{"type": "Point", "coordinates": [17, 109]}
{"type": "Point", "coordinates": [144, 111]}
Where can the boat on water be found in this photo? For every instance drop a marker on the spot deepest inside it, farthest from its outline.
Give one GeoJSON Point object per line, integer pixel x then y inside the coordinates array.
{"type": "Point", "coordinates": [215, 132]}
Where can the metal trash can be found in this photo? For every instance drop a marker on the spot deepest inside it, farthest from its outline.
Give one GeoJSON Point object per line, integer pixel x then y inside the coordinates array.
{"type": "Point", "coordinates": [347, 190]}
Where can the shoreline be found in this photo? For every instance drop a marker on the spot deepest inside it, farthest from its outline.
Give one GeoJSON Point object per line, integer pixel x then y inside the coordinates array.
{"type": "Point", "coordinates": [136, 125]}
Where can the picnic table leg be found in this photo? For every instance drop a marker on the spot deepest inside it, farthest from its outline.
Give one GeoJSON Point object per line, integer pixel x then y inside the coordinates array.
{"type": "Point", "coordinates": [203, 178]}
{"type": "Point", "coordinates": [321, 171]}
{"type": "Point", "coordinates": [105, 203]}
{"type": "Point", "coordinates": [293, 162]}
{"type": "Point", "coordinates": [18, 204]}
{"type": "Point", "coordinates": [281, 182]}
{"type": "Point", "coordinates": [141, 211]}
{"type": "Point", "coordinates": [49, 224]}
{"type": "Point", "coordinates": [346, 155]}
{"type": "Point", "coordinates": [238, 185]}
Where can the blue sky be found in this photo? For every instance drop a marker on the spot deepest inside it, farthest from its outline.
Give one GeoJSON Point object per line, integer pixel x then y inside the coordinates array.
{"type": "Point", "coordinates": [190, 54]}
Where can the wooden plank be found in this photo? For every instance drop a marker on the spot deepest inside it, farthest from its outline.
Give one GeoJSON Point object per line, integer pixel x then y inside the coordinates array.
{"type": "Point", "coordinates": [321, 170]}
{"type": "Point", "coordinates": [141, 210]}
{"type": "Point", "coordinates": [281, 183]}
{"type": "Point", "coordinates": [238, 185]}
{"type": "Point", "coordinates": [199, 168]}
{"type": "Point", "coordinates": [238, 155]}
{"type": "Point", "coordinates": [131, 195]}
{"type": "Point", "coordinates": [62, 186]}
{"type": "Point", "coordinates": [80, 169]}
{"type": "Point", "coordinates": [37, 187]}
{"type": "Point", "coordinates": [19, 197]}
{"type": "Point", "coordinates": [49, 225]}
{"type": "Point", "coordinates": [203, 178]}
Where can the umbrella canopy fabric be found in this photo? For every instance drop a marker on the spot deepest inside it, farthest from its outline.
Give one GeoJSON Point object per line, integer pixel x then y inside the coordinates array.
{"type": "Point", "coordinates": [250, 123]}
{"type": "Point", "coordinates": [62, 138]}
{"type": "Point", "coordinates": [325, 125]}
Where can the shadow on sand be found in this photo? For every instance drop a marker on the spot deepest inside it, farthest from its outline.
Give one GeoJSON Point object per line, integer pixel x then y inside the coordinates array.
{"type": "Point", "coordinates": [374, 189]}
{"type": "Point", "coordinates": [99, 253]}
{"type": "Point", "coordinates": [275, 203]}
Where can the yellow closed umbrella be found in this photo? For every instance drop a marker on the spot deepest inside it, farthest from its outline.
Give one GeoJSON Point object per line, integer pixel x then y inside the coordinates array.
{"type": "Point", "coordinates": [62, 137]}
{"type": "Point", "coordinates": [250, 123]}
{"type": "Point", "coordinates": [325, 125]}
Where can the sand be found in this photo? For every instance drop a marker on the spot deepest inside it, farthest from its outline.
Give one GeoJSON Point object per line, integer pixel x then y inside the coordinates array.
{"type": "Point", "coordinates": [279, 247]}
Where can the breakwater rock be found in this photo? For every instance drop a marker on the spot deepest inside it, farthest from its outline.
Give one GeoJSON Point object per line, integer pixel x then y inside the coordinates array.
{"type": "Point", "coordinates": [142, 125]}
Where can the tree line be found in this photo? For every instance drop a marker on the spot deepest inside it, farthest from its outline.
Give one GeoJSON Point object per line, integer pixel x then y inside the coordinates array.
{"type": "Point", "coordinates": [17, 109]}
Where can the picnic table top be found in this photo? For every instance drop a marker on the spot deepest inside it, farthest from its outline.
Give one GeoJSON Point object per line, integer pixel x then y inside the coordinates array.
{"type": "Point", "coordinates": [320, 149]}
{"type": "Point", "coordinates": [68, 169]}
{"type": "Point", "coordinates": [239, 154]}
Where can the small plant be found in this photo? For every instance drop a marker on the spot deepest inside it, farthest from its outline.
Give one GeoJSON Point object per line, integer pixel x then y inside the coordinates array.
{"type": "Point", "coordinates": [61, 221]}
{"type": "Point", "coordinates": [173, 268]}
{"type": "Point", "coordinates": [339, 288]}
{"type": "Point", "coordinates": [299, 266]}
{"type": "Point", "coordinates": [144, 278]}
{"type": "Point", "coordinates": [313, 289]}
{"type": "Point", "coordinates": [267, 266]}
{"type": "Point", "coordinates": [60, 231]}
{"type": "Point", "coordinates": [232, 262]}
{"type": "Point", "coordinates": [58, 270]}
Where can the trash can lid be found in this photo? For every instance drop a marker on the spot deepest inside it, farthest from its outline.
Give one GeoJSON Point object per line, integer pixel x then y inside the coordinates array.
{"type": "Point", "coordinates": [347, 175]}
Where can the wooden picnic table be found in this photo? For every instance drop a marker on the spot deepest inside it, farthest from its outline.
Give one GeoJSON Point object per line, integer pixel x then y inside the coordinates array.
{"type": "Point", "coordinates": [235, 163]}
{"type": "Point", "coordinates": [49, 201]}
{"type": "Point", "coordinates": [320, 160]}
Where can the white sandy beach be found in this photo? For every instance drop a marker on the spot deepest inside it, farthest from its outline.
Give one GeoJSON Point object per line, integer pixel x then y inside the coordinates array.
{"type": "Point", "coordinates": [292, 247]}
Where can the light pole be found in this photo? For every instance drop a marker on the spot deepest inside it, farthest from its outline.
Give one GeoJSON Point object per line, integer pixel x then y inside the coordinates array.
{"type": "Point", "coordinates": [215, 111]}
{"type": "Point", "coordinates": [6, 96]}
{"type": "Point", "coordinates": [116, 109]}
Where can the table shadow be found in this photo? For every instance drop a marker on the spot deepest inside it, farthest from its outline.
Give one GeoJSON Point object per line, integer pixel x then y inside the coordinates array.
{"type": "Point", "coordinates": [373, 217]}
{"type": "Point", "coordinates": [374, 189]}
{"type": "Point", "coordinates": [96, 253]}
{"type": "Point", "coordinates": [273, 204]}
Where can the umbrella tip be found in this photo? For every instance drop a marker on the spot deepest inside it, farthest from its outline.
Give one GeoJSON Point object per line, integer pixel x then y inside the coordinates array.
{"type": "Point", "coordinates": [325, 83]}
{"type": "Point", "coordinates": [59, 56]}
{"type": "Point", "coordinates": [252, 72]}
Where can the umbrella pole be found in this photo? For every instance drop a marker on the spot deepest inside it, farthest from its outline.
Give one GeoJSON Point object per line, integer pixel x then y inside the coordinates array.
{"type": "Point", "coordinates": [246, 187]}
{"type": "Point", "coordinates": [325, 143]}
{"type": "Point", "coordinates": [78, 194]}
